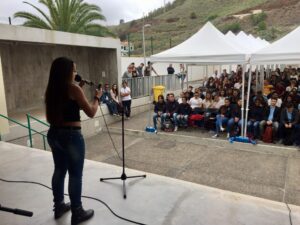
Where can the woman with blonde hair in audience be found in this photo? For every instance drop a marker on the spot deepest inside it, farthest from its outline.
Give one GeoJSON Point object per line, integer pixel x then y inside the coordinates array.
{"type": "Point", "coordinates": [207, 102]}
{"type": "Point", "coordinates": [218, 102]}
{"type": "Point", "coordinates": [292, 86]}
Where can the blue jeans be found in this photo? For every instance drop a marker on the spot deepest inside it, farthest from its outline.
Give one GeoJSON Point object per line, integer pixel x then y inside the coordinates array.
{"type": "Point", "coordinates": [174, 116]}
{"type": "Point", "coordinates": [253, 128]}
{"type": "Point", "coordinates": [219, 122]}
{"type": "Point", "coordinates": [183, 120]}
{"type": "Point", "coordinates": [68, 149]}
{"type": "Point", "coordinates": [231, 124]}
{"type": "Point", "coordinates": [155, 117]}
{"type": "Point", "coordinates": [112, 107]}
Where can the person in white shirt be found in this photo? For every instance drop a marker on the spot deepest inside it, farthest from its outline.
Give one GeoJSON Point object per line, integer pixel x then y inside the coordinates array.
{"type": "Point", "coordinates": [279, 101]}
{"type": "Point", "coordinates": [196, 102]}
{"type": "Point", "coordinates": [126, 99]}
{"type": "Point", "coordinates": [218, 102]}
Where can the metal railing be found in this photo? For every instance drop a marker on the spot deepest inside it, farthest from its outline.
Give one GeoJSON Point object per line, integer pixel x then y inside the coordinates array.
{"type": "Point", "coordinates": [30, 130]}
{"type": "Point", "coordinates": [142, 86]}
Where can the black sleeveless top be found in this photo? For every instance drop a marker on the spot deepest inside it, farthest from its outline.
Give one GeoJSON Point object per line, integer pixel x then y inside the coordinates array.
{"type": "Point", "coordinates": [71, 111]}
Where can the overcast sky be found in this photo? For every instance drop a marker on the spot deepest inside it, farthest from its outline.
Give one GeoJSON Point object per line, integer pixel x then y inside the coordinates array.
{"type": "Point", "coordinates": [113, 10]}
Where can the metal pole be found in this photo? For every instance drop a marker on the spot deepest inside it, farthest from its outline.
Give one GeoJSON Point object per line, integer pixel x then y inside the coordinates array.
{"type": "Point", "coordinates": [256, 80]}
{"type": "Point", "coordinates": [144, 46]}
{"type": "Point", "coordinates": [9, 20]}
{"type": "Point", "coordinates": [187, 76]}
{"type": "Point", "coordinates": [44, 142]}
{"type": "Point", "coordinates": [248, 98]}
{"type": "Point", "coordinates": [170, 42]}
{"type": "Point", "coordinates": [151, 45]}
{"type": "Point", "coordinates": [128, 40]}
{"type": "Point", "coordinates": [29, 130]}
{"type": "Point", "coordinates": [243, 98]}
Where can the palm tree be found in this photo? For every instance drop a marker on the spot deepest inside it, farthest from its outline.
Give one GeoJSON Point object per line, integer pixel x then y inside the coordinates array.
{"type": "Point", "coordinates": [66, 15]}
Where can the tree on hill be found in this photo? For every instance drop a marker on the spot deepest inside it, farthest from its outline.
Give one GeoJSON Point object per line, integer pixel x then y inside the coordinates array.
{"type": "Point", "coordinates": [73, 16]}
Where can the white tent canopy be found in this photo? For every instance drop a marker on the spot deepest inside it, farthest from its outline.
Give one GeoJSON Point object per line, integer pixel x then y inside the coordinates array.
{"type": "Point", "coordinates": [208, 46]}
{"type": "Point", "coordinates": [284, 51]}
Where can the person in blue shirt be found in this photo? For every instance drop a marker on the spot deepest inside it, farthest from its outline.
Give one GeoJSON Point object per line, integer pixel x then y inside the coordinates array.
{"type": "Point", "coordinates": [271, 118]}
{"type": "Point", "coordinates": [108, 100]}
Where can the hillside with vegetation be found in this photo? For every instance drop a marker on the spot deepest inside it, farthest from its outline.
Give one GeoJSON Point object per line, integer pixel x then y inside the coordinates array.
{"type": "Point", "coordinates": [179, 20]}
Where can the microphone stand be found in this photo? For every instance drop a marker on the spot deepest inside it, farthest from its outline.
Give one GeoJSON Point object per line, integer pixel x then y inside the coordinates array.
{"type": "Point", "coordinates": [16, 211]}
{"type": "Point", "coordinates": [123, 177]}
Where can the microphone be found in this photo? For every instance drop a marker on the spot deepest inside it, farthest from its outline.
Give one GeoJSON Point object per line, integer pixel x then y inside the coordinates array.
{"type": "Point", "coordinates": [17, 211]}
{"type": "Point", "coordinates": [78, 78]}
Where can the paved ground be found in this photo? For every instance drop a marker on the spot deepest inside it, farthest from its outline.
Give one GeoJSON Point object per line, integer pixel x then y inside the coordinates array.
{"type": "Point", "coordinates": [266, 171]}
{"type": "Point", "coordinates": [156, 200]}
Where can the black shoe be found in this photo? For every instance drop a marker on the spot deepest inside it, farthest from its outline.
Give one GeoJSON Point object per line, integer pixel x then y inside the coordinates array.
{"type": "Point", "coordinates": [79, 215]}
{"type": "Point", "coordinates": [60, 209]}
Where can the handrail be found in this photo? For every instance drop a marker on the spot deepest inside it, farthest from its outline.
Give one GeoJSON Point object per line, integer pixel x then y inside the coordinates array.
{"type": "Point", "coordinates": [36, 119]}
{"type": "Point", "coordinates": [29, 130]}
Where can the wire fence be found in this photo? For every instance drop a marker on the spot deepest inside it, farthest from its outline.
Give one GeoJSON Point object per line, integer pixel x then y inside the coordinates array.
{"type": "Point", "coordinates": [142, 86]}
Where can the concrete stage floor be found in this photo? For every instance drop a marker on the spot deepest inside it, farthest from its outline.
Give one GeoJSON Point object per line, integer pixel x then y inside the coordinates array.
{"type": "Point", "coordinates": [156, 200]}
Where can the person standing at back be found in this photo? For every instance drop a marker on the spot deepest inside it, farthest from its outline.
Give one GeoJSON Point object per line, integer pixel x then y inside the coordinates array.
{"type": "Point", "coordinates": [170, 69]}
{"type": "Point", "coordinates": [63, 100]}
{"type": "Point", "coordinates": [126, 99]}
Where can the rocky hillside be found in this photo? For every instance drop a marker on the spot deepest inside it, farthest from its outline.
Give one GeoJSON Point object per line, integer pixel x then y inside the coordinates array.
{"type": "Point", "coordinates": [269, 19]}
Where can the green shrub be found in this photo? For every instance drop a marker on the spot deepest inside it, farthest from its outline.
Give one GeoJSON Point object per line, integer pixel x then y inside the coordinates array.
{"type": "Point", "coordinates": [234, 27]}
{"type": "Point", "coordinates": [193, 15]}
{"type": "Point", "coordinates": [211, 17]}
{"type": "Point", "coordinates": [262, 26]}
{"type": "Point", "coordinates": [257, 18]}
{"type": "Point", "coordinates": [181, 25]}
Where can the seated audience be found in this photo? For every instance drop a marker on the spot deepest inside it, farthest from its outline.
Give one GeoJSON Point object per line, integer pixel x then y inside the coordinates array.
{"type": "Point", "coordinates": [107, 99]}
{"type": "Point", "coordinates": [159, 110]}
{"type": "Point", "coordinates": [271, 118]}
{"type": "Point", "coordinates": [288, 119]}
{"type": "Point", "coordinates": [223, 117]}
{"type": "Point", "coordinates": [184, 110]}
{"type": "Point", "coordinates": [171, 110]}
{"type": "Point", "coordinates": [256, 115]}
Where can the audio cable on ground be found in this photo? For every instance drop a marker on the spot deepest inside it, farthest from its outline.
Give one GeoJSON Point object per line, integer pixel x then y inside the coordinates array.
{"type": "Point", "coordinates": [87, 197]}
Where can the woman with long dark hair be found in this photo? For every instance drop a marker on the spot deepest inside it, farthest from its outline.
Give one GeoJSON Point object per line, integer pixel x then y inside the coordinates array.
{"type": "Point", "coordinates": [63, 101]}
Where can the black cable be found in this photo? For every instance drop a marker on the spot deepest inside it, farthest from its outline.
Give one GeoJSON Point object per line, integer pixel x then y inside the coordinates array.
{"type": "Point", "coordinates": [109, 134]}
{"type": "Point", "coordinates": [290, 213]}
{"type": "Point", "coordinates": [87, 197]}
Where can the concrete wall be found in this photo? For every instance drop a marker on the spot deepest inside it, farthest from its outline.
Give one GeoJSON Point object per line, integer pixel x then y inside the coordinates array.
{"type": "Point", "coordinates": [4, 126]}
{"type": "Point", "coordinates": [27, 54]}
{"type": "Point", "coordinates": [26, 69]}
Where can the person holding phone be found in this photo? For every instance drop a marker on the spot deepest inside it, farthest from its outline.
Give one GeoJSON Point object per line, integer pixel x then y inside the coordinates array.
{"type": "Point", "coordinates": [63, 100]}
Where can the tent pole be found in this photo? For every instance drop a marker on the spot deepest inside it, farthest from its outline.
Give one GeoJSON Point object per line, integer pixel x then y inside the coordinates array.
{"type": "Point", "coordinates": [262, 74]}
{"type": "Point", "coordinates": [256, 79]}
{"type": "Point", "coordinates": [243, 98]}
{"type": "Point", "coordinates": [247, 102]}
{"type": "Point", "coordinates": [187, 76]}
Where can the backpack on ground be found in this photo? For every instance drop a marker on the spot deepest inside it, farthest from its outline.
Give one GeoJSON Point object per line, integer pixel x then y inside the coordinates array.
{"type": "Point", "coordinates": [268, 134]}
{"type": "Point", "coordinates": [168, 126]}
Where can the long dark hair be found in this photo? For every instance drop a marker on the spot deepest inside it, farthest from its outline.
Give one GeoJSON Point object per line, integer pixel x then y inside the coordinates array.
{"type": "Point", "coordinates": [60, 78]}
{"type": "Point", "coordinates": [116, 91]}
